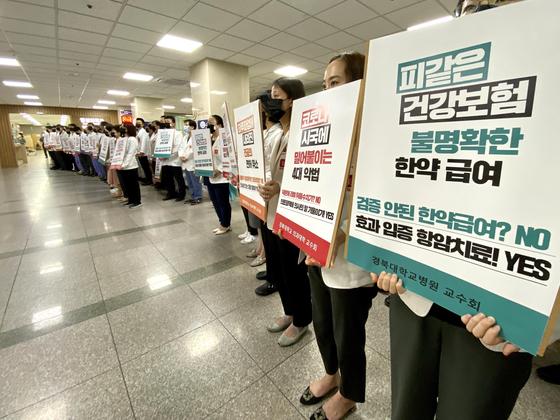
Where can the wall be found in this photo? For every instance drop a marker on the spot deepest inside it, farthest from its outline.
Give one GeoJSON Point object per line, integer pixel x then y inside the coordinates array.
{"type": "Point", "coordinates": [31, 134]}
{"type": "Point", "coordinates": [7, 150]}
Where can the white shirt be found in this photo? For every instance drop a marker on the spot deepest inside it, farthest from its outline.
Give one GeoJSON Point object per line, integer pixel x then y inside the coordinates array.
{"type": "Point", "coordinates": [129, 158]}
{"type": "Point", "coordinates": [187, 151]}
{"type": "Point", "coordinates": [270, 137]}
{"type": "Point", "coordinates": [143, 142]}
{"type": "Point", "coordinates": [217, 157]}
{"type": "Point", "coordinates": [174, 159]}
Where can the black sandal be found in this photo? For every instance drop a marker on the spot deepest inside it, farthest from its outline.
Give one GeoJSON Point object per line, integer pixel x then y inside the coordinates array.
{"type": "Point", "coordinates": [320, 414]}
{"type": "Point", "coordinates": [309, 399]}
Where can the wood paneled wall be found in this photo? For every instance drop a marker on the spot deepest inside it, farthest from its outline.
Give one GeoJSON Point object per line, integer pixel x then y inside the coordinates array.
{"type": "Point", "coordinates": [7, 149]}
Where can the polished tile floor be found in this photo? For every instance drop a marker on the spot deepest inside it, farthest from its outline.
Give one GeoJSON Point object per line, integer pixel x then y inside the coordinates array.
{"type": "Point", "coordinates": [111, 313]}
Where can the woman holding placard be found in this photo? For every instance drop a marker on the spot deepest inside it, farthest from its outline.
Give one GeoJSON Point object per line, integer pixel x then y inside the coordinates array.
{"type": "Point", "coordinates": [218, 187]}
{"type": "Point", "coordinates": [282, 257]}
{"type": "Point", "coordinates": [129, 171]}
{"type": "Point", "coordinates": [342, 296]}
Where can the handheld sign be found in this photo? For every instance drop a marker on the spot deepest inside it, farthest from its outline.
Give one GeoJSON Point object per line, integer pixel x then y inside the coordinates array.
{"type": "Point", "coordinates": [456, 164]}
{"type": "Point", "coordinates": [251, 168]}
{"type": "Point", "coordinates": [316, 170]}
{"type": "Point", "coordinates": [157, 175]}
{"type": "Point", "coordinates": [118, 155]}
{"type": "Point", "coordinates": [57, 143]}
{"type": "Point", "coordinates": [164, 143]}
{"type": "Point", "coordinates": [104, 149]}
{"type": "Point", "coordinates": [230, 144]}
{"type": "Point", "coordinates": [202, 150]}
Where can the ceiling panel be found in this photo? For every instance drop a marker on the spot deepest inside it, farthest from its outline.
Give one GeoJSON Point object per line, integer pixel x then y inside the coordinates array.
{"type": "Point", "coordinates": [310, 50]}
{"type": "Point", "coordinates": [383, 6]}
{"type": "Point", "coordinates": [347, 14]}
{"type": "Point", "coordinates": [34, 40]}
{"type": "Point", "coordinates": [312, 7]}
{"type": "Point", "coordinates": [171, 8]}
{"type": "Point", "coordinates": [20, 26]}
{"type": "Point", "coordinates": [253, 31]}
{"type": "Point", "coordinates": [146, 19]}
{"type": "Point", "coordinates": [193, 32]}
{"type": "Point", "coordinates": [312, 29]}
{"type": "Point", "coordinates": [73, 55]}
{"type": "Point", "coordinates": [244, 60]}
{"type": "Point", "coordinates": [29, 12]}
{"type": "Point", "coordinates": [89, 23]}
{"type": "Point", "coordinates": [278, 15]}
{"type": "Point", "coordinates": [205, 15]}
{"type": "Point", "coordinates": [126, 55]}
{"type": "Point", "coordinates": [82, 36]}
{"type": "Point", "coordinates": [284, 41]}
{"type": "Point", "coordinates": [125, 44]}
{"type": "Point", "coordinates": [241, 7]}
{"type": "Point", "coordinates": [261, 51]}
{"type": "Point", "coordinates": [79, 47]}
{"type": "Point", "coordinates": [374, 28]}
{"type": "Point", "coordinates": [231, 43]}
{"type": "Point", "coordinates": [133, 33]}
{"type": "Point", "coordinates": [100, 7]}
{"type": "Point", "coordinates": [338, 41]}
{"type": "Point", "coordinates": [417, 13]}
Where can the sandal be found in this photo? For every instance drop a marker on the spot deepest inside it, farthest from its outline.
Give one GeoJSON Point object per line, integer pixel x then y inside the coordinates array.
{"type": "Point", "coordinates": [308, 398]}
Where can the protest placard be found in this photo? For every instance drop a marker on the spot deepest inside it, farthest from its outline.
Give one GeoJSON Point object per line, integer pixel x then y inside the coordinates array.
{"type": "Point", "coordinates": [202, 150]}
{"type": "Point", "coordinates": [456, 178]}
{"type": "Point", "coordinates": [164, 143]}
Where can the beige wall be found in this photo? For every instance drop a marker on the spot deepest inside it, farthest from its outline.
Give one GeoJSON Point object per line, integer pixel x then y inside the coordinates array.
{"type": "Point", "coordinates": [149, 109]}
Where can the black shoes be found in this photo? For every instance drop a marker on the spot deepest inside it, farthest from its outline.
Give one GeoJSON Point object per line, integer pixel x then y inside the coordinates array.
{"type": "Point", "coordinates": [180, 198]}
{"type": "Point", "coordinates": [146, 183]}
{"type": "Point", "coordinates": [550, 374]}
{"type": "Point", "coordinates": [309, 399]}
{"type": "Point", "coordinates": [195, 202]}
{"type": "Point", "coordinates": [169, 197]}
{"type": "Point", "coordinates": [266, 289]}
{"type": "Point", "coordinates": [261, 275]}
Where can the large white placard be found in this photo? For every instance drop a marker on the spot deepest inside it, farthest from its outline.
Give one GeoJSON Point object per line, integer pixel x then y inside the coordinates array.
{"type": "Point", "coordinates": [164, 143]}
{"type": "Point", "coordinates": [457, 168]}
{"type": "Point", "coordinates": [202, 150]}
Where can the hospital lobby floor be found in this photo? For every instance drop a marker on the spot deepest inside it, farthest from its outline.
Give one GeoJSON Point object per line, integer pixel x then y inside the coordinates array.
{"type": "Point", "coordinates": [112, 313]}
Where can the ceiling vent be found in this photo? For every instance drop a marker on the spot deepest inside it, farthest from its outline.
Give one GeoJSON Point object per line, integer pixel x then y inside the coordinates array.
{"type": "Point", "coordinates": [172, 82]}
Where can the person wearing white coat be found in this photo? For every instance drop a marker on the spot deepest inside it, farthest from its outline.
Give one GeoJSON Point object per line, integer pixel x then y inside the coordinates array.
{"type": "Point", "coordinates": [218, 186]}
{"type": "Point", "coordinates": [187, 157]}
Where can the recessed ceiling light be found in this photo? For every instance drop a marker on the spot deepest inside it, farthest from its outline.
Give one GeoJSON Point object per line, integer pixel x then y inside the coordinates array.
{"type": "Point", "coordinates": [41, 113]}
{"type": "Point", "coordinates": [106, 102]}
{"type": "Point", "coordinates": [33, 103]}
{"type": "Point", "coordinates": [168, 107]}
{"type": "Point", "coordinates": [132, 104]}
{"type": "Point", "coordinates": [430, 23]}
{"type": "Point", "coordinates": [28, 97]}
{"type": "Point", "coordinates": [186, 100]}
{"type": "Point", "coordinates": [193, 84]}
{"type": "Point", "coordinates": [100, 107]}
{"type": "Point", "coordinates": [118, 92]}
{"type": "Point", "coordinates": [17, 84]}
{"type": "Point", "coordinates": [290, 71]}
{"type": "Point", "coordinates": [217, 92]}
{"type": "Point", "coordinates": [8, 62]}
{"type": "Point", "coordinates": [137, 76]}
{"type": "Point", "coordinates": [177, 43]}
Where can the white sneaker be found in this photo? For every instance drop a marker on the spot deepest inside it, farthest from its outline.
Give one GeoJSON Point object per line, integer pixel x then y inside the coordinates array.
{"type": "Point", "coordinates": [114, 190]}
{"type": "Point", "coordinates": [243, 235]}
{"type": "Point", "coordinates": [249, 239]}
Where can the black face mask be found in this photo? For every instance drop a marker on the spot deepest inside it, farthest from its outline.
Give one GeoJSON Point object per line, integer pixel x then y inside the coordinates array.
{"type": "Point", "coordinates": [212, 128]}
{"type": "Point", "coordinates": [274, 107]}
{"type": "Point", "coordinates": [112, 134]}
{"type": "Point", "coordinates": [138, 125]}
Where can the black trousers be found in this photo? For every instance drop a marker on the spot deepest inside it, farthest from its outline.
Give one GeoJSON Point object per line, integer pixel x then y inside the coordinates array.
{"type": "Point", "coordinates": [219, 194]}
{"type": "Point", "coordinates": [146, 167]}
{"type": "Point", "coordinates": [87, 163]}
{"type": "Point", "coordinates": [441, 369]}
{"type": "Point", "coordinates": [290, 278]}
{"type": "Point", "coordinates": [123, 185]}
{"type": "Point", "coordinates": [171, 174]}
{"type": "Point", "coordinates": [44, 150]}
{"type": "Point", "coordinates": [339, 321]}
{"type": "Point", "coordinates": [68, 161]}
{"type": "Point", "coordinates": [130, 179]}
{"type": "Point", "coordinates": [251, 230]}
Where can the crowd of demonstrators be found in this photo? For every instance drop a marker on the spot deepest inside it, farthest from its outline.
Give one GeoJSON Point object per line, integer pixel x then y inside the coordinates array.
{"type": "Point", "coordinates": [443, 365]}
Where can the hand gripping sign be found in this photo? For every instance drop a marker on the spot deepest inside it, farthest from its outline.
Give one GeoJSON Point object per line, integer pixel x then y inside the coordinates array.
{"type": "Point", "coordinates": [248, 128]}
{"type": "Point", "coordinates": [318, 160]}
{"type": "Point", "coordinates": [202, 150]}
{"type": "Point", "coordinates": [456, 170]}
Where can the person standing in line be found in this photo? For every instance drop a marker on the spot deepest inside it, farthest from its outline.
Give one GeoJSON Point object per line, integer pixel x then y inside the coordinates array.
{"type": "Point", "coordinates": [120, 132]}
{"type": "Point", "coordinates": [218, 186]}
{"type": "Point", "coordinates": [342, 296]}
{"type": "Point", "coordinates": [187, 157]}
{"type": "Point", "coordinates": [282, 256]}
{"type": "Point", "coordinates": [76, 149]}
{"type": "Point", "coordinates": [144, 151]}
{"type": "Point", "coordinates": [171, 167]}
{"type": "Point", "coordinates": [42, 141]}
{"type": "Point", "coordinates": [129, 171]}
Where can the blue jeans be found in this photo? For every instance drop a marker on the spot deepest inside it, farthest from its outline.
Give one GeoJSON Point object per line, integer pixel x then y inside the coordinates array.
{"type": "Point", "coordinates": [219, 194]}
{"type": "Point", "coordinates": [194, 184]}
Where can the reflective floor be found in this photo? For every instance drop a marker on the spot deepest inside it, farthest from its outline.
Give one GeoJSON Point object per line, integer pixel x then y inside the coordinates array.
{"type": "Point", "coordinates": [111, 313]}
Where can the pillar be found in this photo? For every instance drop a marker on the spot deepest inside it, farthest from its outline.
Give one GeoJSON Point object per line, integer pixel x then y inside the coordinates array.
{"type": "Point", "coordinates": [149, 109]}
{"type": "Point", "coordinates": [218, 76]}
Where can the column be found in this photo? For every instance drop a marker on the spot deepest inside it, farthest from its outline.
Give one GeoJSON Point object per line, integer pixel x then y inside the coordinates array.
{"type": "Point", "coordinates": [218, 82]}
{"type": "Point", "coordinates": [149, 109]}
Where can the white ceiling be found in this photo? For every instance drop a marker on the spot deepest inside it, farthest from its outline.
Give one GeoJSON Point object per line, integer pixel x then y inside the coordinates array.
{"type": "Point", "coordinates": [72, 54]}
{"type": "Point", "coordinates": [43, 119]}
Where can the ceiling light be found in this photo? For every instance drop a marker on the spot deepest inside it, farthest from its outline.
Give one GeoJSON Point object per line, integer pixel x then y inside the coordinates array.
{"type": "Point", "coordinates": [430, 23]}
{"type": "Point", "coordinates": [100, 107]}
{"type": "Point", "coordinates": [17, 84]}
{"type": "Point", "coordinates": [41, 113]}
{"type": "Point", "coordinates": [177, 43]}
{"type": "Point", "coordinates": [33, 103]}
{"type": "Point", "coordinates": [290, 71]}
{"type": "Point", "coordinates": [132, 104]}
{"type": "Point", "coordinates": [217, 92]}
{"type": "Point", "coordinates": [106, 102]}
{"type": "Point", "coordinates": [186, 100]}
{"type": "Point", "coordinates": [118, 92]}
{"type": "Point", "coordinates": [8, 62]}
{"type": "Point", "coordinates": [136, 76]}
{"type": "Point", "coordinates": [28, 97]}
{"type": "Point", "coordinates": [168, 107]}
{"type": "Point", "coordinates": [193, 84]}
